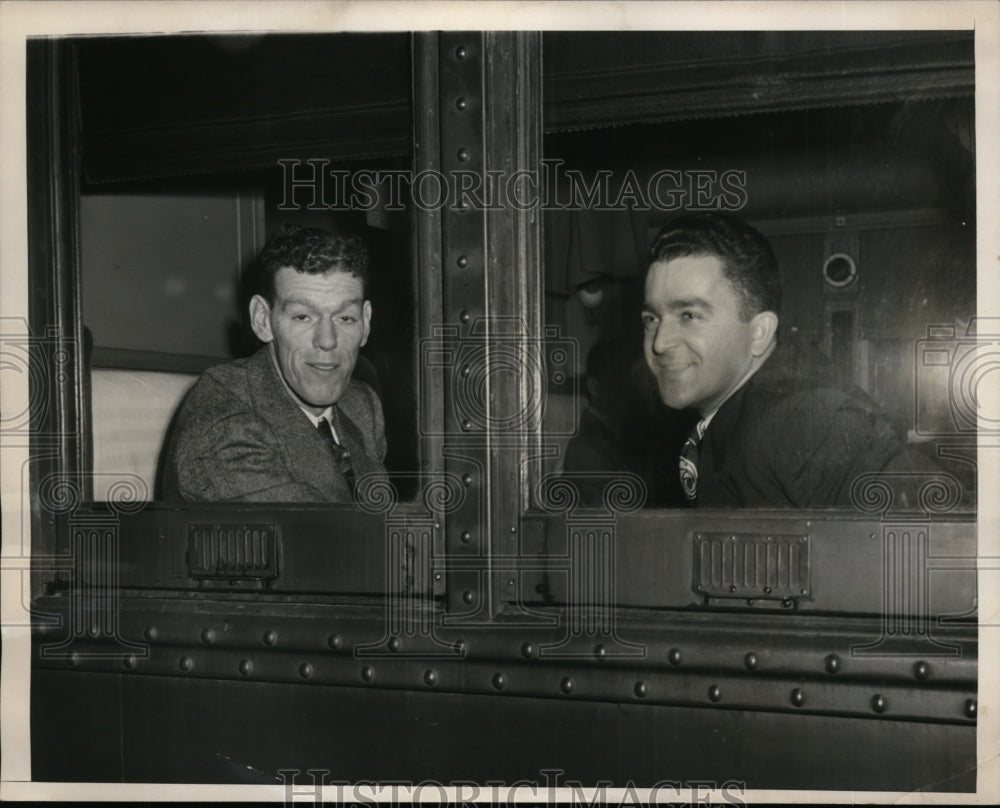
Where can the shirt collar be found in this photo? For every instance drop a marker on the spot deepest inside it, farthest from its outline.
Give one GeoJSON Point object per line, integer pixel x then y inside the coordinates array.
{"type": "Point", "coordinates": [326, 415]}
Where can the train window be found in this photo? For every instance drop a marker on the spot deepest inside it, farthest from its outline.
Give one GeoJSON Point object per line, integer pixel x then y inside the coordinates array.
{"type": "Point", "coordinates": [868, 205]}
{"type": "Point", "coordinates": [164, 205]}
{"type": "Point", "coordinates": [181, 188]}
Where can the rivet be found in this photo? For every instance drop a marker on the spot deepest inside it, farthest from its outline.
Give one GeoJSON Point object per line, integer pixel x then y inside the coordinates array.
{"type": "Point", "coordinates": [437, 576]}
{"type": "Point", "coordinates": [566, 685]}
{"type": "Point", "coordinates": [461, 104]}
{"type": "Point", "coordinates": [674, 656]}
{"type": "Point", "coordinates": [971, 708]}
{"type": "Point", "coordinates": [430, 677]}
{"type": "Point", "coordinates": [804, 591]}
{"type": "Point", "coordinates": [732, 588]}
{"type": "Point", "coordinates": [466, 536]}
{"type": "Point", "coordinates": [246, 667]}
{"type": "Point", "coordinates": [527, 650]}
{"type": "Point", "coordinates": [208, 636]}
{"type": "Point", "coordinates": [394, 644]}
{"type": "Point", "coordinates": [879, 703]}
{"type": "Point", "coordinates": [832, 663]}
{"type": "Point", "coordinates": [367, 673]}
{"type": "Point", "coordinates": [129, 662]}
{"type": "Point", "coordinates": [751, 661]}
{"type": "Point", "coordinates": [465, 316]}
{"type": "Point", "coordinates": [74, 659]}
{"type": "Point", "coordinates": [270, 637]}
{"type": "Point", "coordinates": [641, 690]}
{"type": "Point", "coordinates": [466, 480]}
{"type": "Point", "coordinates": [600, 652]}
{"type": "Point", "coordinates": [461, 52]}
{"type": "Point", "coordinates": [305, 670]}
{"type": "Point", "coordinates": [511, 582]}
{"type": "Point", "coordinates": [767, 590]}
{"type": "Point", "coordinates": [460, 647]}
{"type": "Point", "coordinates": [463, 154]}
{"type": "Point", "coordinates": [185, 664]}
{"type": "Point", "coordinates": [466, 425]}
{"type": "Point", "coordinates": [513, 528]}
{"type": "Point", "coordinates": [921, 670]}
{"type": "Point", "coordinates": [466, 370]}
{"type": "Point", "coordinates": [715, 693]}
{"type": "Point", "coordinates": [335, 641]}
{"type": "Point", "coordinates": [798, 697]}
{"type": "Point", "coordinates": [150, 633]}
{"type": "Point", "coordinates": [462, 262]}
{"type": "Point", "coordinates": [467, 596]}
{"type": "Point", "coordinates": [94, 630]}
{"type": "Point", "coordinates": [499, 681]}
{"type": "Point", "coordinates": [786, 602]}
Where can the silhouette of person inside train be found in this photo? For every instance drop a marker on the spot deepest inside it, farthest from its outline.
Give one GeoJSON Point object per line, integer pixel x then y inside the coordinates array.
{"type": "Point", "coordinates": [623, 429]}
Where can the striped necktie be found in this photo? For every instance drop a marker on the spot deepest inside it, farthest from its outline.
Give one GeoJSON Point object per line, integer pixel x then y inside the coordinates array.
{"type": "Point", "coordinates": [343, 456]}
{"type": "Point", "coordinates": [689, 461]}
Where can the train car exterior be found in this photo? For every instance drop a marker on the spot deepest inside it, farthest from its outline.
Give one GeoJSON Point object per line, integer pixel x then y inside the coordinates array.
{"type": "Point", "coordinates": [471, 621]}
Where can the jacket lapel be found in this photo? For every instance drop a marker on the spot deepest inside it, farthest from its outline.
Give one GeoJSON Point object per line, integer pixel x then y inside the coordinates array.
{"type": "Point", "coordinates": [305, 452]}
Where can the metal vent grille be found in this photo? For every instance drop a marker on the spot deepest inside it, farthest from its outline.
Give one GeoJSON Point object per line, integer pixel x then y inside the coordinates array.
{"type": "Point", "coordinates": [233, 550]}
{"type": "Point", "coordinates": [754, 565]}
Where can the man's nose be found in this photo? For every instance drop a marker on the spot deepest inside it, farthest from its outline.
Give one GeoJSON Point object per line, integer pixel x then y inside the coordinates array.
{"type": "Point", "coordinates": [325, 335]}
{"type": "Point", "coordinates": [665, 338]}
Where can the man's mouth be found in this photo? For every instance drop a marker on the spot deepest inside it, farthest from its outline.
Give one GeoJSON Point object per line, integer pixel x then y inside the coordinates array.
{"type": "Point", "coordinates": [674, 367]}
{"type": "Point", "coordinates": [325, 367]}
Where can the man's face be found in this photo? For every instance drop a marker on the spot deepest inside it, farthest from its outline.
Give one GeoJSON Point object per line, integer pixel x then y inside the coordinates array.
{"type": "Point", "coordinates": [317, 323]}
{"type": "Point", "coordinates": [695, 342]}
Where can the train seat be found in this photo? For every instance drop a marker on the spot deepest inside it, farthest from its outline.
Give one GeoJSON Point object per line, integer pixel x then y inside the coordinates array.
{"type": "Point", "coordinates": [130, 413]}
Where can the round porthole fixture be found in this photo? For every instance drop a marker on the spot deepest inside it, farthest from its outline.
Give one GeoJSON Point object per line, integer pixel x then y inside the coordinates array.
{"type": "Point", "coordinates": [839, 270]}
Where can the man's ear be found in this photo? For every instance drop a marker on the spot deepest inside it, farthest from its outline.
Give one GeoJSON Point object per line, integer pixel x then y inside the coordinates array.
{"type": "Point", "coordinates": [366, 317]}
{"type": "Point", "coordinates": [763, 327]}
{"type": "Point", "coordinates": [260, 318]}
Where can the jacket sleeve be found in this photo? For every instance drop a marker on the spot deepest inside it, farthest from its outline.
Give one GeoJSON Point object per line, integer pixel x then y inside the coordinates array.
{"type": "Point", "coordinates": [829, 440]}
{"type": "Point", "coordinates": [222, 452]}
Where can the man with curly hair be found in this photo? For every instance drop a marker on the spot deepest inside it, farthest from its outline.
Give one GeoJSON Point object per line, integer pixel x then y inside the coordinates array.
{"type": "Point", "coordinates": [288, 424]}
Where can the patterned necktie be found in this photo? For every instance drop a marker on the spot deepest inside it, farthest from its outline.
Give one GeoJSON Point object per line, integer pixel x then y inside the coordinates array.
{"type": "Point", "coordinates": [689, 462]}
{"type": "Point", "coordinates": [343, 456]}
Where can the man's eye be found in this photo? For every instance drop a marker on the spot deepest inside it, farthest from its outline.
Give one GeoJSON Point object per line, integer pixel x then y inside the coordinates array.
{"type": "Point", "coordinates": [348, 319]}
{"type": "Point", "coordinates": [648, 320]}
{"type": "Point", "coordinates": [690, 315]}
{"type": "Point", "coordinates": [300, 318]}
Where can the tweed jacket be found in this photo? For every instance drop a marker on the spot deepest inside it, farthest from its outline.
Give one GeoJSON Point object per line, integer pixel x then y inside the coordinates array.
{"type": "Point", "coordinates": [239, 436]}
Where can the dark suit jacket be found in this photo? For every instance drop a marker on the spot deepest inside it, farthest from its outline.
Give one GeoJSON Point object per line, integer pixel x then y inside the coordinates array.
{"type": "Point", "coordinates": [240, 437]}
{"type": "Point", "coordinates": [791, 441]}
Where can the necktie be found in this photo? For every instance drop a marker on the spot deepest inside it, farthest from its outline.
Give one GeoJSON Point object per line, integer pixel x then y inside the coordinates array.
{"type": "Point", "coordinates": [342, 455]}
{"type": "Point", "coordinates": [689, 462]}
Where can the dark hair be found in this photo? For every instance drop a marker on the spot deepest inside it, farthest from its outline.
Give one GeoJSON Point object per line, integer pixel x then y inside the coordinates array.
{"type": "Point", "coordinates": [312, 251]}
{"type": "Point", "coordinates": [747, 258]}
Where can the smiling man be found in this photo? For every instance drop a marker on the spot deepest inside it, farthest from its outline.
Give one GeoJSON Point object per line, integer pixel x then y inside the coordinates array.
{"type": "Point", "coordinates": [288, 424]}
{"type": "Point", "coordinates": [768, 436]}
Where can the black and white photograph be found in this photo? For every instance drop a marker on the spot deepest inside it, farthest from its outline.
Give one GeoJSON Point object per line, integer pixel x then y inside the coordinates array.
{"type": "Point", "coordinates": [453, 402]}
